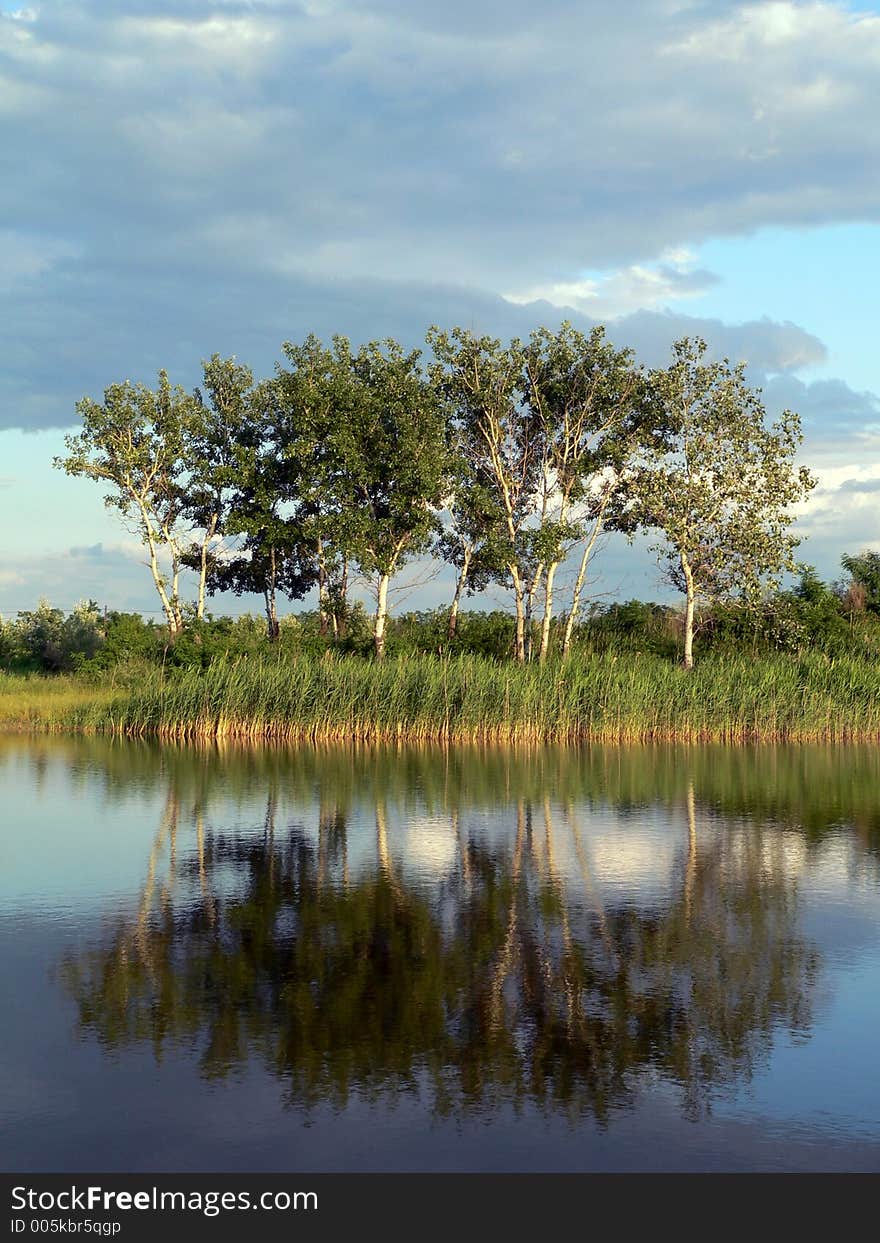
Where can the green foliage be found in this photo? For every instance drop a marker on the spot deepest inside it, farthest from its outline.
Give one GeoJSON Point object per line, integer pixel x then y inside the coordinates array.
{"type": "Point", "coordinates": [716, 482]}
{"type": "Point", "coordinates": [48, 641]}
{"type": "Point", "coordinates": [631, 626]}
{"type": "Point", "coordinates": [864, 571]}
{"type": "Point", "coordinates": [135, 444]}
{"type": "Point", "coordinates": [127, 638]}
{"type": "Point", "coordinates": [479, 634]}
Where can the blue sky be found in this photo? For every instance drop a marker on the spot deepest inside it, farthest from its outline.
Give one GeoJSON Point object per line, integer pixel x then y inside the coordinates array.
{"type": "Point", "coordinates": [180, 177]}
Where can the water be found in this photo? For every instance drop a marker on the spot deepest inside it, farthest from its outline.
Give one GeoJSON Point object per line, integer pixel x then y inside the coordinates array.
{"type": "Point", "coordinates": [339, 959]}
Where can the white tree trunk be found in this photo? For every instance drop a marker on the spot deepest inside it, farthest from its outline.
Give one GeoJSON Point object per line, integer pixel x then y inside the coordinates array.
{"type": "Point", "coordinates": [381, 616]}
{"type": "Point", "coordinates": [269, 594]}
{"type": "Point", "coordinates": [531, 596]}
{"type": "Point", "coordinates": [579, 580]}
{"type": "Point", "coordinates": [203, 566]}
{"type": "Point", "coordinates": [459, 588]}
{"type": "Point", "coordinates": [688, 613]}
{"type": "Point", "coordinates": [548, 611]}
{"type": "Point", "coordinates": [158, 577]}
{"type": "Point", "coordinates": [520, 642]}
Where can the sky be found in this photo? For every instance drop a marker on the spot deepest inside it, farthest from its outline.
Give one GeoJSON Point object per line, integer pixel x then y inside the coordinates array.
{"type": "Point", "coordinates": [179, 177]}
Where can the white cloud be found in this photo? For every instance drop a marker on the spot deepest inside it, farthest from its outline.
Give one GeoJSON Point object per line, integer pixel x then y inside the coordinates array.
{"type": "Point", "coordinates": [639, 286]}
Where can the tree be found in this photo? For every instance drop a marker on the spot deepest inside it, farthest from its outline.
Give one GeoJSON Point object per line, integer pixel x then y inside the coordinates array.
{"type": "Point", "coordinates": [275, 553]}
{"type": "Point", "coordinates": [134, 442]}
{"type": "Point", "coordinates": [500, 439]}
{"type": "Point", "coordinates": [587, 398]}
{"type": "Point", "coordinates": [716, 481]}
{"type": "Point", "coordinates": [213, 444]}
{"type": "Point", "coordinates": [471, 540]}
{"type": "Point", "coordinates": [864, 570]}
{"type": "Point", "coordinates": [393, 462]}
{"type": "Point", "coordinates": [315, 393]}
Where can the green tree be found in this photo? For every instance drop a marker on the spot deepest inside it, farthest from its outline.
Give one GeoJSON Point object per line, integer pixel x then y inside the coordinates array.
{"type": "Point", "coordinates": [587, 397]}
{"type": "Point", "coordinates": [716, 481]}
{"type": "Point", "coordinates": [134, 442]}
{"type": "Point", "coordinates": [214, 440]}
{"type": "Point", "coordinates": [393, 462]}
{"type": "Point", "coordinates": [501, 441]}
{"type": "Point", "coordinates": [471, 540]}
{"type": "Point", "coordinates": [864, 570]}
{"type": "Point", "coordinates": [274, 553]}
{"type": "Point", "coordinates": [315, 393]}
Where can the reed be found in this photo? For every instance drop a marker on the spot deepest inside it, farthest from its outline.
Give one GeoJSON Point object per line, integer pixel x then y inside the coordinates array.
{"type": "Point", "coordinates": [627, 698]}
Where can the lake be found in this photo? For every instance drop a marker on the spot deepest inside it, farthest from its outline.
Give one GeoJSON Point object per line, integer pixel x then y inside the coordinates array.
{"type": "Point", "coordinates": [327, 959]}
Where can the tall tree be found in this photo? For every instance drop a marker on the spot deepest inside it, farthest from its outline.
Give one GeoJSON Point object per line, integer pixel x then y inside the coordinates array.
{"type": "Point", "coordinates": [587, 398]}
{"type": "Point", "coordinates": [470, 540]}
{"type": "Point", "coordinates": [501, 440]}
{"type": "Point", "coordinates": [133, 441]}
{"type": "Point", "coordinates": [393, 456]}
{"type": "Point", "coordinates": [215, 439]}
{"type": "Point", "coordinates": [276, 551]}
{"type": "Point", "coordinates": [315, 391]}
{"type": "Point", "coordinates": [716, 481]}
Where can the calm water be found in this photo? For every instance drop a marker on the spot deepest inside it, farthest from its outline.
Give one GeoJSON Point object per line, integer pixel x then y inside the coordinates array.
{"type": "Point", "coordinates": [428, 960]}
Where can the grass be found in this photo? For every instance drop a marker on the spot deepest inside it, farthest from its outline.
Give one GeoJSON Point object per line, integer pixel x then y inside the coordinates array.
{"type": "Point", "coordinates": [59, 702]}
{"type": "Point", "coordinates": [627, 698]}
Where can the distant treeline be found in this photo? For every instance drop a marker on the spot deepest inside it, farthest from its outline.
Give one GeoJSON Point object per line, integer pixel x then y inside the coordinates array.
{"type": "Point", "coordinates": [837, 619]}
{"type": "Point", "coordinates": [505, 461]}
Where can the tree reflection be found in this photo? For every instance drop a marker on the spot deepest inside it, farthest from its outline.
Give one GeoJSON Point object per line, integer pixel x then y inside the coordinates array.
{"type": "Point", "coordinates": [507, 979]}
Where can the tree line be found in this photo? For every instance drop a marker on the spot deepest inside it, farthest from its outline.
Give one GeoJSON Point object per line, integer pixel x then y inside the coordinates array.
{"type": "Point", "coordinates": [503, 460]}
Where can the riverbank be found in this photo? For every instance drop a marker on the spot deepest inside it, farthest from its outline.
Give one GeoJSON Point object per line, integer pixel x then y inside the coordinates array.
{"type": "Point", "coordinates": [626, 698]}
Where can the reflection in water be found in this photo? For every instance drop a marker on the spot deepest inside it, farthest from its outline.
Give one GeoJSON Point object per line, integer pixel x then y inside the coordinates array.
{"type": "Point", "coordinates": [437, 923]}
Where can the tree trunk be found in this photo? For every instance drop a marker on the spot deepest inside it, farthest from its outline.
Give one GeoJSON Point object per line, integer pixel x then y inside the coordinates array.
{"type": "Point", "coordinates": [175, 590]}
{"type": "Point", "coordinates": [339, 602]}
{"type": "Point", "coordinates": [459, 588]}
{"type": "Point", "coordinates": [203, 577]}
{"type": "Point", "coordinates": [203, 566]}
{"type": "Point", "coordinates": [688, 613]}
{"type": "Point", "coordinates": [548, 611]}
{"type": "Point", "coordinates": [579, 582]}
{"type": "Point", "coordinates": [530, 606]}
{"type": "Point", "coordinates": [322, 589]}
{"type": "Point", "coordinates": [381, 616]}
{"type": "Point", "coordinates": [272, 627]}
{"type": "Point", "coordinates": [520, 643]}
{"type": "Point", "coordinates": [158, 578]}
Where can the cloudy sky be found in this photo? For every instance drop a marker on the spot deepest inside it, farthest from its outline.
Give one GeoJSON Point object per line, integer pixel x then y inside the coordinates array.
{"type": "Point", "coordinates": [179, 177]}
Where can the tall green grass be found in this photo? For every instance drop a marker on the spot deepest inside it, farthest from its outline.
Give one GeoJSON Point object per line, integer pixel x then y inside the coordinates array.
{"type": "Point", "coordinates": [466, 698]}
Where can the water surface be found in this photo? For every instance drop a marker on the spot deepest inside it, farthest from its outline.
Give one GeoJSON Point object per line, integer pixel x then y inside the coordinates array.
{"type": "Point", "coordinates": [360, 959]}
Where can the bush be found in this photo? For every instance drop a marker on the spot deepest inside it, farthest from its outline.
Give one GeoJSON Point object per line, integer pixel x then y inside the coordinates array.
{"type": "Point", "coordinates": [54, 643]}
